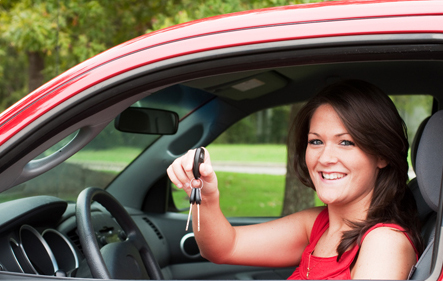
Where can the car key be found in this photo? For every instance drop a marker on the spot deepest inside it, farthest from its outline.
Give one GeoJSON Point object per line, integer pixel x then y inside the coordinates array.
{"type": "Point", "coordinates": [196, 197]}
{"type": "Point", "coordinates": [199, 158]}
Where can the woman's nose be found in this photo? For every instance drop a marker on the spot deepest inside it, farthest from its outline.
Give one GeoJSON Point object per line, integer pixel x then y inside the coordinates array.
{"type": "Point", "coordinates": [328, 155]}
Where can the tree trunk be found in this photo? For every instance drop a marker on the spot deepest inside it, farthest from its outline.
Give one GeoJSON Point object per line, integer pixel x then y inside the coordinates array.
{"type": "Point", "coordinates": [35, 70]}
{"type": "Point", "coordinates": [297, 196]}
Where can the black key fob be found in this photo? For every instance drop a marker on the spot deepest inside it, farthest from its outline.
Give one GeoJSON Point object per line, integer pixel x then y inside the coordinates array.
{"type": "Point", "coordinates": [198, 159]}
{"type": "Point", "coordinates": [192, 197]}
{"type": "Point", "coordinates": [198, 196]}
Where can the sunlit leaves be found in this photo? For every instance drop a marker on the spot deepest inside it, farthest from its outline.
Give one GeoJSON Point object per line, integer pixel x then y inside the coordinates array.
{"type": "Point", "coordinates": [191, 10]}
{"type": "Point", "coordinates": [66, 32]}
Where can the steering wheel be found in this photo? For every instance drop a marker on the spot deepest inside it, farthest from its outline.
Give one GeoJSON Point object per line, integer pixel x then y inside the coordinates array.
{"type": "Point", "coordinates": [130, 259]}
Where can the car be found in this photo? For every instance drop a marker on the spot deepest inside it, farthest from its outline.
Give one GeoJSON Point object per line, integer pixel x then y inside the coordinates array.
{"type": "Point", "coordinates": [107, 129]}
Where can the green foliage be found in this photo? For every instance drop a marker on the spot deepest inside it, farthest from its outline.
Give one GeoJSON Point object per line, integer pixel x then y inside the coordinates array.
{"type": "Point", "coordinates": [12, 83]}
{"type": "Point", "coordinates": [27, 26]}
{"type": "Point", "coordinates": [413, 109]}
{"type": "Point", "coordinates": [192, 10]}
{"type": "Point", "coordinates": [64, 33]}
{"type": "Point", "coordinates": [267, 126]}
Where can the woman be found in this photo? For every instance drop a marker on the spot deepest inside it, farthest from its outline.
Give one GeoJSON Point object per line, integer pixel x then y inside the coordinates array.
{"type": "Point", "coordinates": [351, 147]}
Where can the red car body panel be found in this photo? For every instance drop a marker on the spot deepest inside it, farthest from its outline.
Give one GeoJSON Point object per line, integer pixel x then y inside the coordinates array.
{"type": "Point", "coordinates": [245, 28]}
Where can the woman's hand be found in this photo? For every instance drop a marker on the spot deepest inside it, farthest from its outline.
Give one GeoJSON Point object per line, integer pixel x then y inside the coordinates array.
{"type": "Point", "coordinates": [180, 173]}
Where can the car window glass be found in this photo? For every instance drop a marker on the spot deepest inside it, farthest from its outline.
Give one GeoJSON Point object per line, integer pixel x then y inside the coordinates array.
{"type": "Point", "coordinates": [57, 146]}
{"type": "Point", "coordinates": [250, 159]}
{"type": "Point", "coordinates": [99, 162]}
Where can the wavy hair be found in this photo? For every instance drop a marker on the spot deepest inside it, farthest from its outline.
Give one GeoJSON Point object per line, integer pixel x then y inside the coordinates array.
{"type": "Point", "coordinates": [372, 120]}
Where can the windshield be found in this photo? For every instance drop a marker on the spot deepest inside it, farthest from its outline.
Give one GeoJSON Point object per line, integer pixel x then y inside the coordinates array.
{"type": "Point", "coordinates": [107, 155]}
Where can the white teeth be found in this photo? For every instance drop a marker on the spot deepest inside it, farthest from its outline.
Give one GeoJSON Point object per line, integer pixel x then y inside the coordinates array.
{"type": "Point", "coordinates": [332, 176]}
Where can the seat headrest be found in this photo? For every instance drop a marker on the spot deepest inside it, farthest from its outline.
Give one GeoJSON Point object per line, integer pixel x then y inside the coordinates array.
{"type": "Point", "coordinates": [429, 162]}
{"type": "Point", "coordinates": [416, 141]}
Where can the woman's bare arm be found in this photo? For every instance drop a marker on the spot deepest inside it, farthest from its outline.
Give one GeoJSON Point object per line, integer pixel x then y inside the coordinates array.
{"type": "Point", "coordinates": [276, 243]}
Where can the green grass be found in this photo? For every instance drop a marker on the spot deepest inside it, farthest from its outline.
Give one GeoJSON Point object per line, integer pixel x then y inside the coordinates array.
{"type": "Point", "coordinates": [245, 194]}
{"type": "Point", "coordinates": [251, 195]}
{"type": "Point", "coordinates": [275, 153]}
{"type": "Point", "coordinates": [114, 155]}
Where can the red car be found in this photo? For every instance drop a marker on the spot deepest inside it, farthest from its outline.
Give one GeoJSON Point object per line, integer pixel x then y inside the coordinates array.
{"type": "Point", "coordinates": [93, 126]}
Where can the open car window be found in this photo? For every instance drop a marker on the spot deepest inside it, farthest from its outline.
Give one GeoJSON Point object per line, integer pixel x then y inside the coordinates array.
{"type": "Point", "coordinates": [250, 159]}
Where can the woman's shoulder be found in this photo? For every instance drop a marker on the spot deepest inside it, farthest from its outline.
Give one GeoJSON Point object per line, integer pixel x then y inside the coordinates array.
{"type": "Point", "coordinates": [388, 233]}
{"type": "Point", "coordinates": [308, 217]}
{"type": "Point", "coordinates": [393, 236]}
{"type": "Point", "coordinates": [388, 248]}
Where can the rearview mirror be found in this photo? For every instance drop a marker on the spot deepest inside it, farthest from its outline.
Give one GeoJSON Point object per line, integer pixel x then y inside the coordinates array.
{"type": "Point", "coordinates": [141, 120]}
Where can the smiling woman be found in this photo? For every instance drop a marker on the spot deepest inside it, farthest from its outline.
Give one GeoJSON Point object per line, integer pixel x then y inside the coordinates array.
{"type": "Point", "coordinates": [351, 147]}
{"type": "Point", "coordinates": [356, 150]}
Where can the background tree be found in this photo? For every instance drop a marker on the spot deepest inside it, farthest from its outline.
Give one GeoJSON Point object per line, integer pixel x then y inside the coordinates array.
{"type": "Point", "coordinates": [297, 196]}
{"type": "Point", "coordinates": [41, 38]}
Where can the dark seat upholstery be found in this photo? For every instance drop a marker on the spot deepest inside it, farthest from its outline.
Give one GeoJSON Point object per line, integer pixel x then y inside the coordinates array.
{"type": "Point", "coordinates": [427, 161]}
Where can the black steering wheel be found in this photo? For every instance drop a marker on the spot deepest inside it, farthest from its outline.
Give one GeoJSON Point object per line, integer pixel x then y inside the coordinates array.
{"type": "Point", "coordinates": [130, 259]}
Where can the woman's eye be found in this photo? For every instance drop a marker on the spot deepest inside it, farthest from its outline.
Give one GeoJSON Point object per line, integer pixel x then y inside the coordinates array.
{"type": "Point", "coordinates": [347, 143]}
{"type": "Point", "coordinates": [315, 142]}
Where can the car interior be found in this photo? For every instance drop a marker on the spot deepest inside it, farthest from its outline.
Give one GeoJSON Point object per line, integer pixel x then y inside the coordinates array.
{"type": "Point", "coordinates": [41, 235]}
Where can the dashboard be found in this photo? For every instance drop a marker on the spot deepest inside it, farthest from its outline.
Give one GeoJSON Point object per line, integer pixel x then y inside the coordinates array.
{"type": "Point", "coordinates": [29, 239]}
{"type": "Point", "coordinates": [38, 235]}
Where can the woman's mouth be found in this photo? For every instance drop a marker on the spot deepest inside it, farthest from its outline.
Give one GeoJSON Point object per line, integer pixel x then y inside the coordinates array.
{"type": "Point", "coordinates": [332, 176]}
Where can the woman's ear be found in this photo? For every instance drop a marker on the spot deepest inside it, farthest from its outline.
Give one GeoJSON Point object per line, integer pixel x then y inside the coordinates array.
{"type": "Point", "coordinates": [382, 163]}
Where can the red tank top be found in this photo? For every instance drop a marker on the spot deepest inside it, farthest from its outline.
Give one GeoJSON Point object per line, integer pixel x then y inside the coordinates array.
{"type": "Point", "coordinates": [329, 268]}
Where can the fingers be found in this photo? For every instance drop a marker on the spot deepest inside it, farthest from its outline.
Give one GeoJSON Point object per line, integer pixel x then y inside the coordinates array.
{"type": "Point", "coordinates": [177, 173]}
{"type": "Point", "coordinates": [172, 174]}
{"type": "Point", "coordinates": [180, 171]}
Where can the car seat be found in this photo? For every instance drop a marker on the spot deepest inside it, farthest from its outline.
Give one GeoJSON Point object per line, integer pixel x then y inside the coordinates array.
{"type": "Point", "coordinates": [427, 162]}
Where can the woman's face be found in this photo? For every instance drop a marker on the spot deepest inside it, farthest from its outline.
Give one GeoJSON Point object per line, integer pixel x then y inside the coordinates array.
{"type": "Point", "coordinates": [341, 172]}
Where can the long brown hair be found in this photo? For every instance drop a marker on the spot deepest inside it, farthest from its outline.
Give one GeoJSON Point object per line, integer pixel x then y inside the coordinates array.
{"type": "Point", "coordinates": [372, 120]}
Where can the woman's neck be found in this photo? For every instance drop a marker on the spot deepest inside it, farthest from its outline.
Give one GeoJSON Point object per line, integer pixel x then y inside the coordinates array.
{"type": "Point", "coordinates": [341, 215]}
{"type": "Point", "coordinates": [339, 218]}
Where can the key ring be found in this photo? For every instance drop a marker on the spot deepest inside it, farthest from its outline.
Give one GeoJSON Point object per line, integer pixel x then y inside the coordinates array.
{"type": "Point", "coordinates": [198, 180]}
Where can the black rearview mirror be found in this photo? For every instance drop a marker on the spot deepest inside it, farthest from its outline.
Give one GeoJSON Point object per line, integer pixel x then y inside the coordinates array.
{"type": "Point", "coordinates": [141, 120]}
